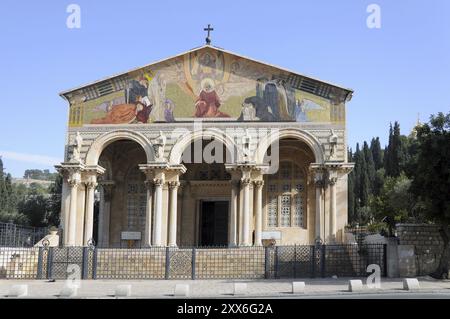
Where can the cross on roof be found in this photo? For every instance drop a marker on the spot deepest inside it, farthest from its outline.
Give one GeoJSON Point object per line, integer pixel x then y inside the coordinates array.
{"type": "Point", "coordinates": [209, 29]}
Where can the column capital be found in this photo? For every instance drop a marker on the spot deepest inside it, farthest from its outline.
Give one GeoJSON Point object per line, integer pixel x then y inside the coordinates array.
{"type": "Point", "coordinates": [259, 183]}
{"type": "Point", "coordinates": [148, 184]}
{"type": "Point", "coordinates": [73, 182]}
{"type": "Point", "coordinates": [107, 189]}
{"type": "Point", "coordinates": [173, 184]}
{"type": "Point", "coordinates": [91, 184]}
{"type": "Point", "coordinates": [158, 182]}
{"type": "Point", "coordinates": [245, 181]}
{"type": "Point", "coordinates": [332, 180]}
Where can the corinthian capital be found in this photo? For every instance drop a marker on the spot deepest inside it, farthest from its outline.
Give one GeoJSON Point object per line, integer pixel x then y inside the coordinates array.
{"type": "Point", "coordinates": [173, 184]}
{"type": "Point", "coordinates": [259, 183]}
{"type": "Point", "coordinates": [158, 182]}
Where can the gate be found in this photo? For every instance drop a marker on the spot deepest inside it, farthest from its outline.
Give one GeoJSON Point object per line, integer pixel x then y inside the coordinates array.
{"type": "Point", "coordinates": [324, 260]}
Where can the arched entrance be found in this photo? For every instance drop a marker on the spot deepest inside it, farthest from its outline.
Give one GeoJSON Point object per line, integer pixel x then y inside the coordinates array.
{"type": "Point", "coordinates": [289, 193]}
{"type": "Point", "coordinates": [205, 198]}
{"type": "Point", "coordinates": [123, 195]}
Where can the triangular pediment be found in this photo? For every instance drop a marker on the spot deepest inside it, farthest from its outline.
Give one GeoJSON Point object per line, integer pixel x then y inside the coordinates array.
{"type": "Point", "coordinates": [208, 83]}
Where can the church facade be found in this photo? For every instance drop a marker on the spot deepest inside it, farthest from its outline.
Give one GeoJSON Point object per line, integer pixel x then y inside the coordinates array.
{"type": "Point", "coordinates": [206, 148]}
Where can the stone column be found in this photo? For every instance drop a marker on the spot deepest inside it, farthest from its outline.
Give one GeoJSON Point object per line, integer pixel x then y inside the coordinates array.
{"type": "Point", "coordinates": [173, 195]}
{"type": "Point", "coordinates": [74, 182]}
{"type": "Point", "coordinates": [148, 214]}
{"type": "Point", "coordinates": [258, 212]}
{"type": "Point", "coordinates": [232, 225]}
{"type": "Point", "coordinates": [319, 212]}
{"type": "Point", "coordinates": [245, 182]}
{"type": "Point", "coordinates": [158, 205]}
{"type": "Point", "coordinates": [332, 182]}
{"type": "Point", "coordinates": [89, 217]}
{"type": "Point", "coordinates": [104, 213]}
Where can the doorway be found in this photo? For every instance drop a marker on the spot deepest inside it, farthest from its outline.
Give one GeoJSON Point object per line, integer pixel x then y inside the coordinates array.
{"type": "Point", "coordinates": [213, 223]}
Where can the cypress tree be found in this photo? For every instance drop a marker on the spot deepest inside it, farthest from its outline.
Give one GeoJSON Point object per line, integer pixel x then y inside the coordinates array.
{"type": "Point", "coordinates": [396, 151]}
{"type": "Point", "coordinates": [351, 191]}
{"type": "Point", "coordinates": [370, 165]}
{"type": "Point", "coordinates": [2, 187]}
{"type": "Point", "coordinates": [356, 183]}
{"type": "Point", "coordinates": [377, 153]}
{"type": "Point", "coordinates": [364, 181]}
{"type": "Point", "coordinates": [388, 153]}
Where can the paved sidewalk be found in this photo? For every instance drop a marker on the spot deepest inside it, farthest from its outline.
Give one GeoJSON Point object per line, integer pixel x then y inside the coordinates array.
{"type": "Point", "coordinates": [223, 288]}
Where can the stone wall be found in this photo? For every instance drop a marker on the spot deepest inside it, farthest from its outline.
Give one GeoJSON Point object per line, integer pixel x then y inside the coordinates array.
{"type": "Point", "coordinates": [426, 242]}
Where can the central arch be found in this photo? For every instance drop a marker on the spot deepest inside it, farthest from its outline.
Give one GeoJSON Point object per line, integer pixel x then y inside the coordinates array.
{"type": "Point", "coordinates": [186, 140]}
{"type": "Point", "coordinates": [106, 139]}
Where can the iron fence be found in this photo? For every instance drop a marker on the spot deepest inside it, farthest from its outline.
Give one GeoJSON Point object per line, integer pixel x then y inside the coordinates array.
{"type": "Point", "coordinates": [12, 235]}
{"type": "Point", "coordinates": [300, 261]}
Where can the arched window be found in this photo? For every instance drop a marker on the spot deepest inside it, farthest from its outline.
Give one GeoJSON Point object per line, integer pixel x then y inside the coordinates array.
{"type": "Point", "coordinates": [136, 200]}
{"type": "Point", "coordinates": [286, 197]}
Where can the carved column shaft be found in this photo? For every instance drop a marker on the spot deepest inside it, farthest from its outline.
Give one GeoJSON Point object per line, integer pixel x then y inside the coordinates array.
{"type": "Point", "coordinates": [74, 182]}
{"type": "Point", "coordinates": [158, 204]}
{"type": "Point", "coordinates": [232, 229]}
{"type": "Point", "coordinates": [319, 205]}
{"type": "Point", "coordinates": [246, 212]}
{"type": "Point", "coordinates": [148, 214]}
{"type": "Point", "coordinates": [333, 211]}
{"type": "Point", "coordinates": [89, 218]}
{"type": "Point", "coordinates": [258, 212]}
{"type": "Point", "coordinates": [104, 213]}
{"type": "Point", "coordinates": [173, 187]}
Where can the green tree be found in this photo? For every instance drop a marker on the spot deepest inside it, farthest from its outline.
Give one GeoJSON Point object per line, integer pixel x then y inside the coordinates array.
{"type": "Point", "coordinates": [394, 203]}
{"type": "Point", "coordinates": [35, 209]}
{"type": "Point", "coordinates": [377, 153]}
{"type": "Point", "coordinates": [431, 181]}
{"type": "Point", "coordinates": [351, 192]}
{"type": "Point", "coordinates": [370, 165]}
{"type": "Point", "coordinates": [54, 202]}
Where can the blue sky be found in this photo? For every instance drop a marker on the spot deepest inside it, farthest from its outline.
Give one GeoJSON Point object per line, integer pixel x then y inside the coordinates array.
{"type": "Point", "coordinates": [397, 71]}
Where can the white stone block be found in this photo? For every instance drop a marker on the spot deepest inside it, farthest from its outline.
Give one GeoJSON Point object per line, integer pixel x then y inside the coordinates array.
{"type": "Point", "coordinates": [18, 291]}
{"type": "Point", "coordinates": [181, 290]}
{"type": "Point", "coordinates": [355, 285]}
{"type": "Point", "coordinates": [298, 287]}
{"type": "Point", "coordinates": [240, 288]}
{"type": "Point", "coordinates": [123, 291]}
{"type": "Point", "coordinates": [68, 291]}
{"type": "Point", "coordinates": [410, 284]}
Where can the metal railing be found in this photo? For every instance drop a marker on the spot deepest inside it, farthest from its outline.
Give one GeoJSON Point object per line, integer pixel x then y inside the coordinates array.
{"type": "Point", "coordinates": [12, 235]}
{"type": "Point", "coordinates": [300, 261]}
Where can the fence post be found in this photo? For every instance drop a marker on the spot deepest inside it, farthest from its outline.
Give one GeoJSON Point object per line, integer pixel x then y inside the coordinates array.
{"type": "Point", "coordinates": [94, 263]}
{"type": "Point", "coordinates": [266, 262]}
{"type": "Point", "coordinates": [313, 261]}
{"type": "Point", "coordinates": [193, 263]}
{"type": "Point", "coordinates": [40, 261]}
{"type": "Point", "coordinates": [295, 261]}
{"type": "Point", "coordinates": [323, 261]}
{"type": "Point", "coordinates": [167, 273]}
{"type": "Point", "coordinates": [276, 275]}
{"type": "Point", "coordinates": [384, 273]}
{"type": "Point", "coordinates": [85, 267]}
{"type": "Point", "coordinates": [49, 262]}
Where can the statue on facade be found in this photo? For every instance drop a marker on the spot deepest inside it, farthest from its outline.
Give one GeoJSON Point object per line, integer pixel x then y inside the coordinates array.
{"type": "Point", "coordinates": [333, 141]}
{"type": "Point", "coordinates": [246, 139]}
{"type": "Point", "coordinates": [76, 148]}
{"type": "Point", "coordinates": [159, 144]}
